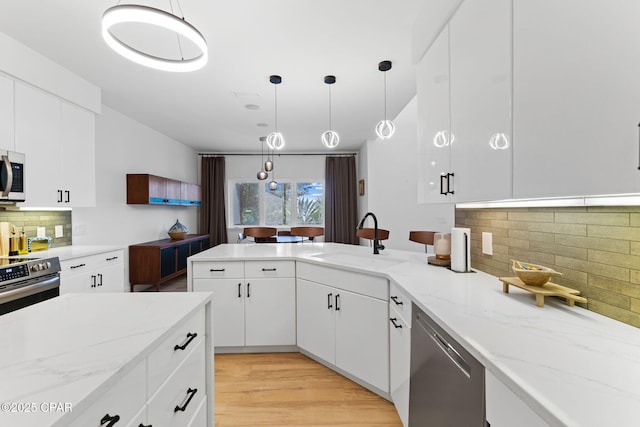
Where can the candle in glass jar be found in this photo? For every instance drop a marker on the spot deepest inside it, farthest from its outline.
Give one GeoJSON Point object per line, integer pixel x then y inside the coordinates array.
{"type": "Point", "coordinates": [442, 245]}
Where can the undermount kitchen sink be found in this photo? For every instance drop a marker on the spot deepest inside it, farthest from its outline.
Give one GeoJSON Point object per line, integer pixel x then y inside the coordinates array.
{"type": "Point", "coordinates": [364, 260]}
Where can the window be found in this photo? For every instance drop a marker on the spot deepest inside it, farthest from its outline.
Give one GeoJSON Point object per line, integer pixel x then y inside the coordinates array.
{"type": "Point", "coordinates": [291, 204]}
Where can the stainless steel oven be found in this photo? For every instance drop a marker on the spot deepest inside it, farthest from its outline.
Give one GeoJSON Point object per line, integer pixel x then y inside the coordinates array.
{"type": "Point", "coordinates": [12, 176]}
{"type": "Point", "coordinates": [26, 281]}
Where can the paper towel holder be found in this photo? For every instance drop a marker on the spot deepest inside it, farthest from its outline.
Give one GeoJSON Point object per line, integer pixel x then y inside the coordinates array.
{"type": "Point", "coordinates": [466, 254]}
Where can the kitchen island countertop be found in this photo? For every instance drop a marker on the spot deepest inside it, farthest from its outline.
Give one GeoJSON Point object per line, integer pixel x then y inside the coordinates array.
{"type": "Point", "coordinates": [572, 366]}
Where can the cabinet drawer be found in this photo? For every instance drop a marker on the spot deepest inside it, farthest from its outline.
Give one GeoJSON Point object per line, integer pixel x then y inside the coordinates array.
{"type": "Point", "coordinates": [263, 269]}
{"type": "Point", "coordinates": [400, 303]}
{"type": "Point", "coordinates": [123, 400]}
{"type": "Point", "coordinates": [166, 358]}
{"type": "Point", "coordinates": [178, 399]}
{"type": "Point", "coordinates": [218, 270]}
{"type": "Point", "coordinates": [200, 418]}
{"type": "Point", "coordinates": [373, 286]}
{"type": "Point", "coordinates": [79, 265]}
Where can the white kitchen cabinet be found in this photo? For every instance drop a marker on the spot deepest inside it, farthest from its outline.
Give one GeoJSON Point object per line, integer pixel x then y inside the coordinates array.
{"type": "Point", "coordinates": [94, 273]}
{"type": "Point", "coordinates": [505, 409]}
{"type": "Point", "coordinates": [59, 141]}
{"type": "Point", "coordinates": [254, 301]}
{"type": "Point", "coordinates": [342, 324]}
{"type": "Point", "coordinates": [577, 97]}
{"type": "Point", "coordinates": [464, 81]}
{"type": "Point", "coordinates": [399, 351]}
{"type": "Point", "coordinates": [7, 126]}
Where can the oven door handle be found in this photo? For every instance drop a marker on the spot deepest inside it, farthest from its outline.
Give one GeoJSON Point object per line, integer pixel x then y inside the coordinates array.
{"type": "Point", "coordinates": [25, 291]}
{"type": "Point", "coordinates": [9, 183]}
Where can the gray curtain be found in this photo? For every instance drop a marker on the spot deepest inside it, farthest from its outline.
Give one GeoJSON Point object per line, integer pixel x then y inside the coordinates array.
{"type": "Point", "coordinates": [341, 210]}
{"type": "Point", "coordinates": [212, 211]}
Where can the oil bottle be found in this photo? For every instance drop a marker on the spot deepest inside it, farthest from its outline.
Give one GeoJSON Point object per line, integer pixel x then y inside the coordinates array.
{"type": "Point", "coordinates": [13, 244]}
{"type": "Point", "coordinates": [23, 247]}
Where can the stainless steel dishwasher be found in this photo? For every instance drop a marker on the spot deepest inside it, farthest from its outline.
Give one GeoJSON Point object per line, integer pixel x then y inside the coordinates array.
{"type": "Point", "coordinates": [447, 383]}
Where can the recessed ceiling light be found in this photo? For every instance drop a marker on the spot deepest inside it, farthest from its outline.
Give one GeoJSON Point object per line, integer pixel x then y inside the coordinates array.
{"type": "Point", "coordinates": [252, 107]}
{"type": "Point", "coordinates": [239, 94]}
{"type": "Point", "coordinates": [263, 125]}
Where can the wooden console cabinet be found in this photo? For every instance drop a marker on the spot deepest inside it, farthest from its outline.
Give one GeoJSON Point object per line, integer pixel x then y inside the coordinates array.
{"type": "Point", "coordinates": [153, 263]}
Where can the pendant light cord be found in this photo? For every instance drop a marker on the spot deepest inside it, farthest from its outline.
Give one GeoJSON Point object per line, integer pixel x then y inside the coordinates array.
{"type": "Point", "coordinates": [385, 95]}
{"type": "Point", "coordinates": [330, 127]}
{"type": "Point", "coordinates": [177, 35]}
{"type": "Point", "coordinates": [275, 89]}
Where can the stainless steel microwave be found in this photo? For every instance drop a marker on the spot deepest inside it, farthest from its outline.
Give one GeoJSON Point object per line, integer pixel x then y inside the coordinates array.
{"type": "Point", "coordinates": [12, 176]}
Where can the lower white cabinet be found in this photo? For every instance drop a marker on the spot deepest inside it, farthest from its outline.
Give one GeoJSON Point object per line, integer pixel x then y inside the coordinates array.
{"type": "Point", "coordinates": [399, 351]}
{"type": "Point", "coordinates": [94, 273]}
{"type": "Point", "coordinates": [345, 328]}
{"type": "Point", "coordinates": [505, 409]}
{"type": "Point", "coordinates": [254, 302]}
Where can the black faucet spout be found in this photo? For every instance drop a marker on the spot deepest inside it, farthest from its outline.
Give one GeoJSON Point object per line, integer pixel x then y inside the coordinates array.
{"type": "Point", "coordinates": [377, 247]}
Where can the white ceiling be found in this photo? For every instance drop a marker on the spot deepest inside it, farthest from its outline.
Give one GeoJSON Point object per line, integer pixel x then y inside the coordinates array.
{"type": "Point", "coordinates": [248, 40]}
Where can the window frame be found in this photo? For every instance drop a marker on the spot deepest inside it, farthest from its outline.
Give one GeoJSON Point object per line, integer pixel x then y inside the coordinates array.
{"type": "Point", "coordinates": [262, 204]}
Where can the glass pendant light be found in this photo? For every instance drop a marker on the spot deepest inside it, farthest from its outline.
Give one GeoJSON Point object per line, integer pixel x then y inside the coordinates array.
{"type": "Point", "coordinates": [273, 185]}
{"type": "Point", "coordinates": [385, 128]}
{"type": "Point", "coordinates": [130, 13]}
{"type": "Point", "coordinates": [275, 140]}
{"type": "Point", "coordinates": [268, 165]}
{"type": "Point", "coordinates": [330, 138]}
{"type": "Point", "coordinates": [262, 175]}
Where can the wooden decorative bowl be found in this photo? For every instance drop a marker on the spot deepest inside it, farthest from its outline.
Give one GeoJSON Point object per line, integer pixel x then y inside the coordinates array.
{"type": "Point", "coordinates": [532, 274]}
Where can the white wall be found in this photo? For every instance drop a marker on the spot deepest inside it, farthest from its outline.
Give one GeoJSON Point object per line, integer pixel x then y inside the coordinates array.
{"type": "Point", "coordinates": [126, 146]}
{"type": "Point", "coordinates": [392, 186]}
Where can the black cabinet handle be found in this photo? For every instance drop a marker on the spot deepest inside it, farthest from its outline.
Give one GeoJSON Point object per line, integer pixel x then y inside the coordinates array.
{"type": "Point", "coordinates": [109, 421]}
{"type": "Point", "coordinates": [239, 288]}
{"type": "Point", "coordinates": [59, 196]}
{"type": "Point", "coordinates": [93, 281]}
{"type": "Point", "coordinates": [442, 178]}
{"type": "Point", "coordinates": [100, 281]}
{"type": "Point", "coordinates": [337, 302]}
{"type": "Point", "coordinates": [190, 337]}
{"type": "Point", "coordinates": [111, 259]}
{"type": "Point", "coordinates": [191, 392]}
{"type": "Point", "coordinates": [77, 266]}
{"type": "Point", "coordinates": [268, 269]}
{"type": "Point", "coordinates": [449, 183]}
{"type": "Point", "coordinates": [395, 299]}
{"type": "Point", "coordinates": [248, 290]}
{"type": "Point", "coordinates": [142, 425]}
{"type": "Point", "coordinates": [329, 301]}
{"type": "Point", "coordinates": [213, 270]}
{"type": "Point", "coordinates": [393, 321]}
{"type": "Point", "coordinates": [68, 194]}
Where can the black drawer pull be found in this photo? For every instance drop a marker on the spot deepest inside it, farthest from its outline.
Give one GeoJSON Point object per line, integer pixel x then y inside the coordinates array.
{"type": "Point", "coordinates": [393, 321]}
{"type": "Point", "coordinates": [239, 287]}
{"type": "Point", "coordinates": [93, 281]}
{"type": "Point", "coordinates": [77, 266]}
{"type": "Point", "coordinates": [109, 421]}
{"type": "Point", "coordinates": [395, 299]}
{"type": "Point", "coordinates": [268, 269]}
{"type": "Point", "coordinates": [191, 392]}
{"type": "Point", "coordinates": [112, 258]}
{"type": "Point", "coordinates": [248, 290]}
{"type": "Point", "coordinates": [213, 270]}
{"type": "Point", "coordinates": [142, 425]}
{"type": "Point", "coordinates": [190, 337]}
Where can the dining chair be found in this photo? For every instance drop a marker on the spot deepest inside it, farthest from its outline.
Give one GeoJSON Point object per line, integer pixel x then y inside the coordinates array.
{"type": "Point", "coordinates": [309, 232]}
{"type": "Point", "coordinates": [424, 237]}
{"type": "Point", "coordinates": [369, 233]}
{"type": "Point", "coordinates": [261, 234]}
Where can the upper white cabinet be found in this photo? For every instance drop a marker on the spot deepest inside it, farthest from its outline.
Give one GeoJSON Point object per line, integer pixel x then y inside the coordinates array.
{"type": "Point", "coordinates": [464, 107]}
{"type": "Point", "coordinates": [7, 141]}
{"type": "Point", "coordinates": [59, 141]}
{"type": "Point", "coordinates": [576, 97]}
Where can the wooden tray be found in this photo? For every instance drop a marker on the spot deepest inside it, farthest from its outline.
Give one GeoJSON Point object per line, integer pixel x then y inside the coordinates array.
{"type": "Point", "coordinates": [547, 290]}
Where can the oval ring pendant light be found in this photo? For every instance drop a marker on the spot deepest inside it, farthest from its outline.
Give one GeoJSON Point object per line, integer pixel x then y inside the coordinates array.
{"type": "Point", "coordinates": [129, 13]}
{"type": "Point", "coordinates": [385, 128]}
{"type": "Point", "coordinates": [330, 138]}
{"type": "Point", "coordinates": [275, 140]}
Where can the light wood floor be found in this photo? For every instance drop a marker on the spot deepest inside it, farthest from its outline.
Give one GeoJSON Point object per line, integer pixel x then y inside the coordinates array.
{"type": "Point", "coordinates": [289, 389]}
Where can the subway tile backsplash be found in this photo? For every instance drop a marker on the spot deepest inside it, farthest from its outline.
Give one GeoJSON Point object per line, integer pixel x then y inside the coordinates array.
{"type": "Point", "coordinates": [596, 248]}
{"type": "Point", "coordinates": [30, 220]}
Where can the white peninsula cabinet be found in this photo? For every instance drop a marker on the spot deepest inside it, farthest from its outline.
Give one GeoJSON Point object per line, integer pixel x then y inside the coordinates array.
{"type": "Point", "coordinates": [505, 409]}
{"type": "Point", "coordinates": [58, 139]}
{"type": "Point", "coordinates": [102, 272]}
{"type": "Point", "coordinates": [464, 83]}
{"type": "Point", "coordinates": [400, 308]}
{"type": "Point", "coordinates": [254, 301]}
{"type": "Point", "coordinates": [343, 320]}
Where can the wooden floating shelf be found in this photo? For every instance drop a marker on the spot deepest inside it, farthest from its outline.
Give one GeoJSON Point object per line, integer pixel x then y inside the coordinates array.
{"type": "Point", "coordinates": [549, 289]}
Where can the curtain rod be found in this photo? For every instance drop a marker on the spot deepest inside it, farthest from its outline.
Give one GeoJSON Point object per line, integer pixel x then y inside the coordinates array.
{"type": "Point", "coordinates": [278, 154]}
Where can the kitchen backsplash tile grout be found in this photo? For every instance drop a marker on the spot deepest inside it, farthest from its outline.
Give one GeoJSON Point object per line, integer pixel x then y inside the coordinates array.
{"type": "Point", "coordinates": [596, 248]}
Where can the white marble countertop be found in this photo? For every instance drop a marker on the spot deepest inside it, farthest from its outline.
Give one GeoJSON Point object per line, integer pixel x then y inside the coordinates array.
{"type": "Point", "coordinates": [70, 349]}
{"type": "Point", "coordinates": [572, 366]}
{"type": "Point", "coordinates": [74, 251]}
